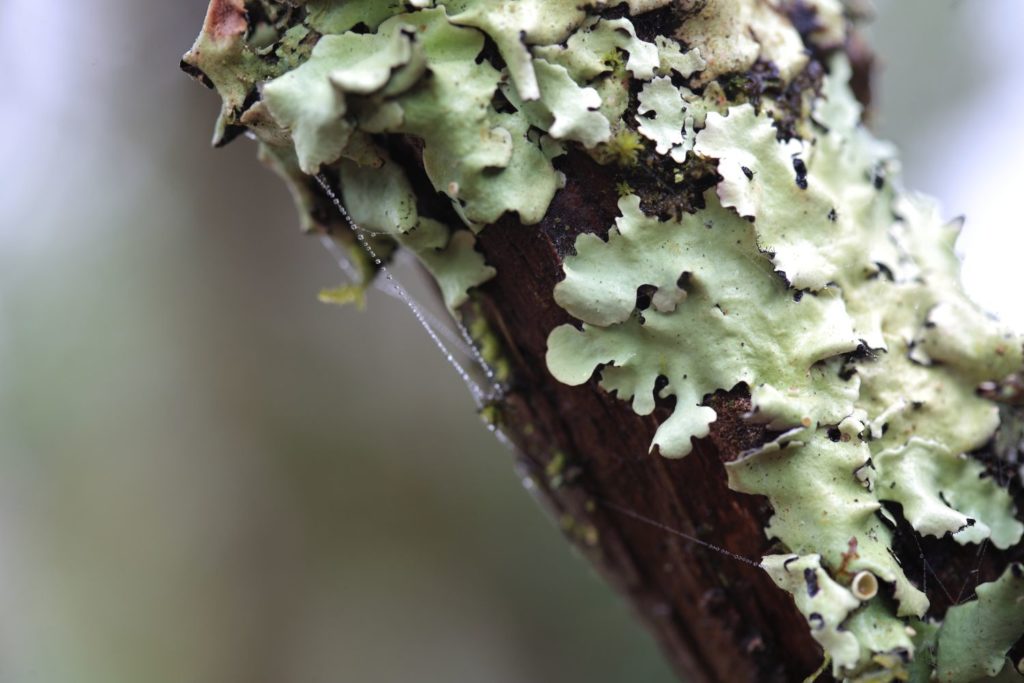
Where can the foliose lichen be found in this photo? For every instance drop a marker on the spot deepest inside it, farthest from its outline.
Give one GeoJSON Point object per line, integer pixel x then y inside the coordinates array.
{"type": "Point", "coordinates": [718, 316]}
{"type": "Point", "coordinates": [975, 636]}
{"type": "Point", "coordinates": [804, 273]}
{"type": "Point", "coordinates": [835, 258]}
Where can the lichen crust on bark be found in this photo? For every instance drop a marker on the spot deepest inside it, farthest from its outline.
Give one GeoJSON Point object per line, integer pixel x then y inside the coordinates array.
{"type": "Point", "coordinates": [762, 242]}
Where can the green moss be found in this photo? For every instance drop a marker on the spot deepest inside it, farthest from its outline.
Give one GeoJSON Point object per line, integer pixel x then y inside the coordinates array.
{"type": "Point", "coordinates": [491, 349]}
{"type": "Point", "coordinates": [622, 149]}
{"type": "Point", "coordinates": [555, 469]}
{"type": "Point", "coordinates": [579, 532]}
{"type": "Point", "coordinates": [491, 414]}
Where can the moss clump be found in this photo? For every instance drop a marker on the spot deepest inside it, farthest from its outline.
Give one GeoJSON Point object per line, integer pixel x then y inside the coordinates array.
{"type": "Point", "coordinates": [622, 149]}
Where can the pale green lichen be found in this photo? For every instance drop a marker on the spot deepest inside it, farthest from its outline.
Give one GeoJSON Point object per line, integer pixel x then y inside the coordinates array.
{"type": "Point", "coordinates": [379, 69]}
{"type": "Point", "coordinates": [330, 16]}
{"type": "Point", "coordinates": [902, 413]}
{"type": "Point", "coordinates": [515, 24]}
{"type": "Point", "coordinates": [974, 637]}
{"type": "Point", "coordinates": [451, 258]}
{"type": "Point", "coordinates": [224, 58]}
{"type": "Point", "coordinates": [463, 136]}
{"type": "Point", "coordinates": [821, 507]}
{"type": "Point", "coordinates": [474, 154]}
{"type": "Point", "coordinates": [381, 201]}
{"type": "Point", "coordinates": [639, 6]}
{"type": "Point", "coordinates": [732, 34]}
{"type": "Point", "coordinates": [805, 274]}
{"type": "Point", "coordinates": [592, 50]}
{"type": "Point", "coordinates": [312, 100]}
{"type": "Point", "coordinates": [668, 116]}
{"type": "Point", "coordinates": [942, 492]}
{"type": "Point", "coordinates": [761, 180]}
{"type": "Point", "coordinates": [711, 282]}
{"type": "Point", "coordinates": [672, 58]}
{"type": "Point", "coordinates": [566, 111]}
{"type": "Point", "coordinates": [283, 162]}
{"type": "Point", "coordinates": [825, 603]}
{"type": "Point", "coordinates": [886, 644]}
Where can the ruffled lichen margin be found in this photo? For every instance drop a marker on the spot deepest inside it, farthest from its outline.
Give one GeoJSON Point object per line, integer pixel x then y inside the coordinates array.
{"type": "Point", "coordinates": [802, 271]}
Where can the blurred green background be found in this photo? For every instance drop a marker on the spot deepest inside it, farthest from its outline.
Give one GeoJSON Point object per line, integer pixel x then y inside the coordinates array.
{"type": "Point", "coordinates": [208, 477]}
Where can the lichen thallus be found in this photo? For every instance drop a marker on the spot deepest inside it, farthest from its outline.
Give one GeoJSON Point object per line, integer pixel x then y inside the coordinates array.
{"type": "Point", "coordinates": [463, 342]}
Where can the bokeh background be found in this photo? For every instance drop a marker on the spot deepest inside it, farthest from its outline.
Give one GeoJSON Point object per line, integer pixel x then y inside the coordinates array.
{"type": "Point", "coordinates": [208, 477]}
